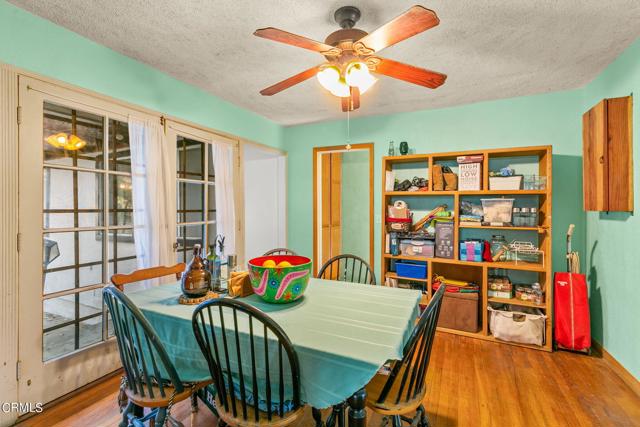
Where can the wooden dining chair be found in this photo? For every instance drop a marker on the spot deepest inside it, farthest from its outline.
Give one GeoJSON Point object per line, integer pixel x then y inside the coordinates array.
{"type": "Point", "coordinates": [150, 380]}
{"type": "Point", "coordinates": [119, 280]}
{"type": "Point", "coordinates": [280, 251]}
{"type": "Point", "coordinates": [245, 398]}
{"type": "Point", "coordinates": [347, 268]}
{"type": "Point", "coordinates": [401, 391]}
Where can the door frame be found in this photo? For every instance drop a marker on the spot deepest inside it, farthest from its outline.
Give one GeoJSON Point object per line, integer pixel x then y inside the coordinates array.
{"type": "Point", "coordinates": [317, 152]}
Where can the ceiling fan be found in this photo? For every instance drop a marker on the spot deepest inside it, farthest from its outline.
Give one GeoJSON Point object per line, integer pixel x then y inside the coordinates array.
{"type": "Point", "coordinates": [351, 55]}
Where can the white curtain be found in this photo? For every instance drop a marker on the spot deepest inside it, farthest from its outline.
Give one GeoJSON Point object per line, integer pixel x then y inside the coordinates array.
{"type": "Point", "coordinates": [223, 164]}
{"type": "Point", "coordinates": [153, 190]}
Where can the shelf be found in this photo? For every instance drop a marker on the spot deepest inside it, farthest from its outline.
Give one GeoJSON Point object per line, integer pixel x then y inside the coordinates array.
{"type": "Point", "coordinates": [506, 265]}
{"type": "Point", "coordinates": [497, 227]}
{"type": "Point", "coordinates": [467, 193]}
{"type": "Point", "coordinates": [395, 276]}
{"type": "Point", "coordinates": [479, 271]}
{"type": "Point", "coordinates": [514, 301]}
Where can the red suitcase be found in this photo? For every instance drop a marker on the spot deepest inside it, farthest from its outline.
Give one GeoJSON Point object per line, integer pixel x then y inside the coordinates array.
{"type": "Point", "coordinates": [572, 329]}
{"type": "Point", "coordinates": [571, 309]}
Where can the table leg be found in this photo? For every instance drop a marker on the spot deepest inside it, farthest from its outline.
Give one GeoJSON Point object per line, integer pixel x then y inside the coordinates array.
{"type": "Point", "coordinates": [317, 417]}
{"type": "Point", "coordinates": [357, 411]}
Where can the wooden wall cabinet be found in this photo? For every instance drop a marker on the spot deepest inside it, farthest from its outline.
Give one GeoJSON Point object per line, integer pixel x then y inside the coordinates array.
{"type": "Point", "coordinates": [607, 161]}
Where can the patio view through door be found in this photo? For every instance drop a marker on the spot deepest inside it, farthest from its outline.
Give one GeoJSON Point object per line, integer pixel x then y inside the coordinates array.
{"type": "Point", "coordinates": [76, 230]}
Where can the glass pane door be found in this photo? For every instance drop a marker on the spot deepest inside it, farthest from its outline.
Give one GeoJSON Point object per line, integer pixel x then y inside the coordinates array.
{"type": "Point", "coordinates": [76, 230]}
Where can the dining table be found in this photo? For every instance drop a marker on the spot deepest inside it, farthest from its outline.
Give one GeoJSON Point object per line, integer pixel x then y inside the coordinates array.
{"type": "Point", "coordinates": [343, 333]}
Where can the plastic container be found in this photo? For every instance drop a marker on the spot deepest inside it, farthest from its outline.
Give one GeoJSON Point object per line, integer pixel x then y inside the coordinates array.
{"type": "Point", "coordinates": [471, 250]}
{"type": "Point", "coordinates": [535, 182]}
{"type": "Point", "coordinates": [516, 218]}
{"type": "Point", "coordinates": [412, 270]}
{"type": "Point", "coordinates": [498, 244]}
{"type": "Point", "coordinates": [417, 247]}
{"type": "Point", "coordinates": [497, 211]}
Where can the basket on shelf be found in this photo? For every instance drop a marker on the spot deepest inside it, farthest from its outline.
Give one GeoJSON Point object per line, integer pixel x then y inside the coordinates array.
{"type": "Point", "coordinates": [524, 252]}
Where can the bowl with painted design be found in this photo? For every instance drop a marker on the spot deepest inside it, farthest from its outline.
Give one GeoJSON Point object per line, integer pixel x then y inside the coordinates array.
{"type": "Point", "coordinates": [280, 279]}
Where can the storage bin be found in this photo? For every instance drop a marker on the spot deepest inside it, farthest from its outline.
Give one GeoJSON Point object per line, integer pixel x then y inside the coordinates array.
{"type": "Point", "coordinates": [471, 250]}
{"type": "Point", "coordinates": [517, 326]}
{"type": "Point", "coordinates": [417, 247]}
{"type": "Point", "coordinates": [459, 311]}
{"type": "Point", "coordinates": [412, 270]}
{"type": "Point", "coordinates": [505, 182]}
{"type": "Point", "coordinates": [498, 211]}
{"type": "Point", "coordinates": [535, 182]}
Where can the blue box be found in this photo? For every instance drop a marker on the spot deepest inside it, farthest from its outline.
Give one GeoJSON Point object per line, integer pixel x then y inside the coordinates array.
{"type": "Point", "coordinates": [412, 270]}
{"type": "Point", "coordinates": [471, 250]}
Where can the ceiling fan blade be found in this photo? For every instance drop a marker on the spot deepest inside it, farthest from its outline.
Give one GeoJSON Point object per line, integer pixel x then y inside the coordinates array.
{"type": "Point", "coordinates": [412, 22]}
{"type": "Point", "coordinates": [409, 73]}
{"type": "Point", "coordinates": [291, 81]}
{"type": "Point", "coordinates": [296, 40]}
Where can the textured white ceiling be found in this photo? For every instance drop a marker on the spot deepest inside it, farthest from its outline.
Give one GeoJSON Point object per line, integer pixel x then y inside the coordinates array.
{"type": "Point", "coordinates": [489, 49]}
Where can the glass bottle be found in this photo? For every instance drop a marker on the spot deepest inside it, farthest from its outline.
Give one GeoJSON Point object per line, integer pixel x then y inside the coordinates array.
{"type": "Point", "coordinates": [498, 244]}
{"type": "Point", "coordinates": [392, 149]}
{"type": "Point", "coordinates": [211, 261]}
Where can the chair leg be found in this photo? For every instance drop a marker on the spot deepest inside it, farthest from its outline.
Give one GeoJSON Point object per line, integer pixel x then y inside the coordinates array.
{"type": "Point", "coordinates": [317, 417]}
{"type": "Point", "coordinates": [194, 402]}
{"type": "Point", "coordinates": [125, 414]}
{"type": "Point", "coordinates": [161, 416]}
{"type": "Point", "coordinates": [337, 415]}
{"type": "Point", "coordinates": [396, 421]}
{"type": "Point", "coordinates": [424, 420]}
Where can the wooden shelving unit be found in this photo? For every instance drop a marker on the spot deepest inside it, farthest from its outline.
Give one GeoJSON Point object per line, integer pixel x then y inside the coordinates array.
{"type": "Point", "coordinates": [479, 271]}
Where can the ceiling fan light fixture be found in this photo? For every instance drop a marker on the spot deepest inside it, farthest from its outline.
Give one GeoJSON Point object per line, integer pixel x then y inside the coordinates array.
{"type": "Point", "coordinates": [358, 75]}
{"type": "Point", "coordinates": [331, 79]}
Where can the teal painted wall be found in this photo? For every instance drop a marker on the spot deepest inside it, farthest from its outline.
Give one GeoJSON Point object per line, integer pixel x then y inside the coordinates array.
{"type": "Point", "coordinates": [535, 120]}
{"type": "Point", "coordinates": [612, 239]}
{"type": "Point", "coordinates": [355, 203]}
{"type": "Point", "coordinates": [37, 45]}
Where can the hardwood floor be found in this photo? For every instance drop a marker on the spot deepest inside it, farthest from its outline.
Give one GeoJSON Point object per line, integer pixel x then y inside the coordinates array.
{"type": "Point", "coordinates": [471, 383]}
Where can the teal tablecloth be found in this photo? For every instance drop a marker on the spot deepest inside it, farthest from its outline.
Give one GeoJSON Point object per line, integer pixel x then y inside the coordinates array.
{"type": "Point", "coordinates": [342, 332]}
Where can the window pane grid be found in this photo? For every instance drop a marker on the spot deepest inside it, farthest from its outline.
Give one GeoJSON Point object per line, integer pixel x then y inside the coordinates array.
{"type": "Point", "coordinates": [195, 184]}
{"type": "Point", "coordinates": [89, 212]}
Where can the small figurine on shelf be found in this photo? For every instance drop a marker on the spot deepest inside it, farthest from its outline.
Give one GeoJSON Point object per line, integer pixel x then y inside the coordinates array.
{"type": "Point", "coordinates": [404, 148]}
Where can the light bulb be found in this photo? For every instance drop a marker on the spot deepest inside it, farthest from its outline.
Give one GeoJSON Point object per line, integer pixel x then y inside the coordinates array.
{"type": "Point", "coordinates": [330, 78]}
{"type": "Point", "coordinates": [358, 75]}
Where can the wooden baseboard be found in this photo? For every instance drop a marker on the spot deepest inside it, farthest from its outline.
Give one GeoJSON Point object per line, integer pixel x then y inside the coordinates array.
{"type": "Point", "coordinates": [617, 367]}
{"type": "Point", "coordinates": [68, 396]}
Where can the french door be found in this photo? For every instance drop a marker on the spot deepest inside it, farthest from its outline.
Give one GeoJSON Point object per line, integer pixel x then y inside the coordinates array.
{"type": "Point", "coordinates": [76, 230]}
{"type": "Point", "coordinates": [196, 188]}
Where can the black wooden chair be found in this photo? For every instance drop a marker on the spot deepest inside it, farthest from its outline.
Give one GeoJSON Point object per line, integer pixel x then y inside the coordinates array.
{"type": "Point", "coordinates": [150, 380]}
{"type": "Point", "coordinates": [402, 391]}
{"type": "Point", "coordinates": [245, 398]}
{"type": "Point", "coordinates": [280, 251]}
{"type": "Point", "coordinates": [347, 268]}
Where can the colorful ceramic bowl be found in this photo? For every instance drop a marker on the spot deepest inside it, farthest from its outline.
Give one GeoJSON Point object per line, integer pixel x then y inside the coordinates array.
{"type": "Point", "coordinates": [280, 285]}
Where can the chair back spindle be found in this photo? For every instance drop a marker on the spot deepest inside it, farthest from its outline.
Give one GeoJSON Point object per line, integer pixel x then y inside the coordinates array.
{"type": "Point", "coordinates": [407, 377]}
{"type": "Point", "coordinates": [280, 251]}
{"type": "Point", "coordinates": [253, 364]}
{"type": "Point", "coordinates": [144, 359]}
{"type": "Point", "coordinates": [347, 268]}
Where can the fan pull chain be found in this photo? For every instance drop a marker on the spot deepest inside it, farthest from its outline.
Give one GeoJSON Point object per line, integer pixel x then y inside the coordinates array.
{"type": "Point", "coordinates": [348, 147]}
